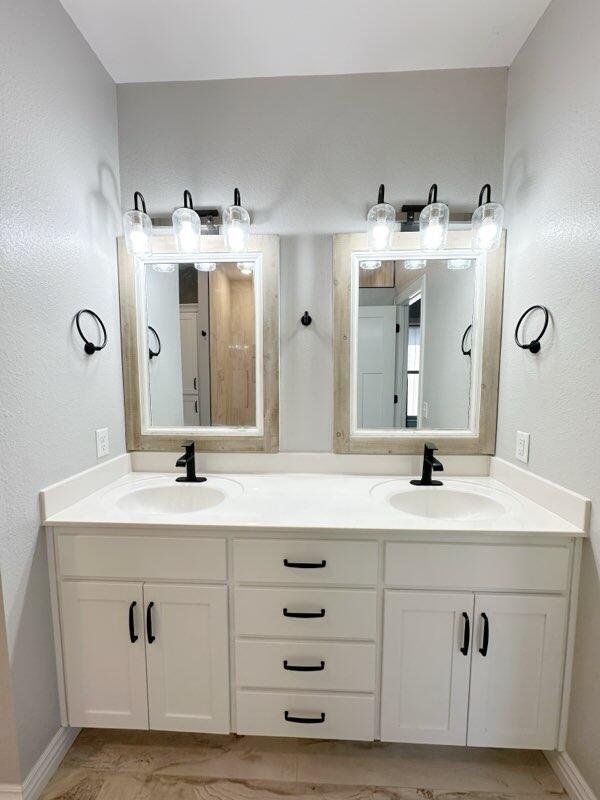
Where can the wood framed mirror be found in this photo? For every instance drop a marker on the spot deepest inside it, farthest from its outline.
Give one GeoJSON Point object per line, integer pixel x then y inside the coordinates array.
{"type": "Point", "coordinates": [200, 345]}
{"type": "Point", "coordinates": [416, 345]}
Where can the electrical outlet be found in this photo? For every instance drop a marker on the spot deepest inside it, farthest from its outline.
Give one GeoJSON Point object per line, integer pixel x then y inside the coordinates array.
{"type": "Point", "coordinates": [523, 446]}
{"type": "Point", "coordinates": [102, 444]}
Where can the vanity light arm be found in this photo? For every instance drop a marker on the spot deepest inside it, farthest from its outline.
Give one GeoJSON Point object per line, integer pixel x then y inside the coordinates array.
{"type": "Point", "coordinates": [139, 197]}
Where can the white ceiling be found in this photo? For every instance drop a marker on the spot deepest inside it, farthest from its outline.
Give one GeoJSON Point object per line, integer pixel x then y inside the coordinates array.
{"type": "Point", "coordinates": [182, 40]}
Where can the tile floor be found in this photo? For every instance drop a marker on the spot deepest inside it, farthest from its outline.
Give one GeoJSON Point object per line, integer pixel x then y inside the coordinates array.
{"type": "Point", "coordinates": [142, 765]}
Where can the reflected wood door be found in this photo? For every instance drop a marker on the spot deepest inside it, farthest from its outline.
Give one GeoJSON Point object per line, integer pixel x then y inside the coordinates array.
{"type": "Point", "coordinates": [382, 278]}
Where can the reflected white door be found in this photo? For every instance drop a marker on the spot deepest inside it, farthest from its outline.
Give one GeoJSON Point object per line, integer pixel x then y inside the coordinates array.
{"type": "Point", "coordinates": [105, 672]}
{"type": "Point", "coordinates": [516, 687]}
{"type": "Point", "coordinates": [425, 683]}
{"type": "Point", "coordinates": [188, 661]}
{"type": "Point", "coordinates": [376, 366]}
{"type": "Point", "coordinates": [189, 351]}
{"type": "Point", "coordinates": [190, 410]}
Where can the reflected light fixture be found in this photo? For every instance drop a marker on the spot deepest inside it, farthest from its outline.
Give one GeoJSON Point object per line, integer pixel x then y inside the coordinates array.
{"type": "Point", "coordinates": [369, 266]}
{"type": "Point", "coordinates": [245, 267]}
{"type": "Point", "coordinates": [236, 224]}
{"type": "Point", "coordinates": [164, 267]}
{"type": "Point", "coordinates": [415, 263]}
{"type": "Point", "coordinates": [487, 221]}
{"type": "Point", "coordinates": [205, 266]}
{"type": "Point", "coordinates": [187, 226]}
{"type": "Point", "coordinates": [460, 263]}
{"type": "Point", "coordinates": [137, 227]}
{"type": "Point", "coordinates": [381, 220]}
{"type": "Point", "coordinates": [433, 222]}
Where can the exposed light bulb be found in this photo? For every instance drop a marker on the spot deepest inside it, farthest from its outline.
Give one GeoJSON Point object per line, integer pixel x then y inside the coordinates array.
{"type": "Point", "coordinates": [205, 266]}
{"type": "Point", "coordinates": [415, 263]}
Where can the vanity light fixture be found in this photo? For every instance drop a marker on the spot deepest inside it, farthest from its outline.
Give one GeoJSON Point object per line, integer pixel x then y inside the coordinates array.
{"type": "Point", "coordinates": [187, 226]}
{"type": "Point", "coordinates": [433, 222]}
{"type": "Point", "coordinates": [164, 267]}
{"type": "Point", "coordinates": [459, 263]}
{"type": "Point", "coordinates": [206, 266]}
{"type": "Point", "coordinates": [487, 222]}
{"type": "Point", "coordinates": [381, 221]}
{"type": "Point", "coordinates": [236, 224]}
{"type": "Point", "coordinates": [369, 266]}
{"type": "Point", "coordinates": [245, 267]}
{"type": "Point", "coordinates": [137, 227]}
{"type": "Point", "coordinates": [415, 263]}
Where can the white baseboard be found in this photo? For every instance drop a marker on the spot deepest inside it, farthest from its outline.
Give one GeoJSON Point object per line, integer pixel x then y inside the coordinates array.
{"type": "Point", "coordinates": [570, 777]}
{"type": "Point", "coordinates": [43, 769]}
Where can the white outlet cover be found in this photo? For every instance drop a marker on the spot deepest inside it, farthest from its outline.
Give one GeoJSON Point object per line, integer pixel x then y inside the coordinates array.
{"type": "Point", "coordinates": [102, 443]}
{"type": "Point", "coordinates": [522, 452]}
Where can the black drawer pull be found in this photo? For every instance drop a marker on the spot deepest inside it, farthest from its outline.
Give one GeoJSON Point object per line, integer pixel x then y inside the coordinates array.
{"type": "Point", "coordinates": [303, 564]}
{"type": "Point", "coordinates": [467, 636]}
{"type": "Point", "coordinates": [486, 635]}
{"type": "Point", "coordinates": [132, 634]}
{"type": "Point", "coordinates": [304, 614]}
{"type": "Point", "coordinates": [305, 720]}
{"type": "Point", "coordinates": [151, 636]}
{"type": "Point", "coordinates": [292, 668]}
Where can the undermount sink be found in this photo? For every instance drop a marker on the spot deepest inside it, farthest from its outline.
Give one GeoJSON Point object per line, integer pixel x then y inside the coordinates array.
{"type": "Point", "coordinates": [444, 502]}
{"type": "Point", "coordinates": [164, 496]}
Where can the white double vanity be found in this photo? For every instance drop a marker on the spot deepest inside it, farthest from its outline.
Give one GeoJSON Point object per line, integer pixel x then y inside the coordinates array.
{"type": "Point", "coordinates": [338, 606]}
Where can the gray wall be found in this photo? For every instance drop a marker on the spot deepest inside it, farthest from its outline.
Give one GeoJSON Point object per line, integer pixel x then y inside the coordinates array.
{"type": "Point", "coordinates": [59, 196]}
{"type": "Point", "coordinates": [552, 175]}
{"type": "Point", "coordinates": [308, 155]}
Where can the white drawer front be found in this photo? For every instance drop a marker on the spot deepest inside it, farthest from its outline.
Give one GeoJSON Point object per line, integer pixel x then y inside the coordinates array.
{"type": "Point", "coordinates": [263, 561]}
{"type": "Point", "coordinates": [142, 557]}
{"type": "Point", "coordinates": [332, 666]}
{"type": "Point", "coordinates": [477, 566]}
{"type": "Point", "coordinates": [344, 717]}
{"type": "Point", "coordinates": [340, 613]}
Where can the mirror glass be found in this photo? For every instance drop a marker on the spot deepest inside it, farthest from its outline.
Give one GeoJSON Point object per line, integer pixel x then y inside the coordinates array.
{"type": "Point", "coordinates": [201, 337]}
{"type": "Point", "coordinates": [413, 321]}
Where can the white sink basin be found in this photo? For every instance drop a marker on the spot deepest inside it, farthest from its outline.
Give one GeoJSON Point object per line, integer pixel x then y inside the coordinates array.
{"type": "Point", "coordinates": [165, 496]}
{"type": "Point", "coordinates": [456, 502]}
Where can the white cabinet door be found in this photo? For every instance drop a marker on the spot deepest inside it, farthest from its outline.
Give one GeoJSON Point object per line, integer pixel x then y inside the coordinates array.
{"type": "Point", "coordinates": [425, 684]}
{"type": "Point", "coordinates": [105, 671]}
{"type": "Point", "coordinates": [189, 351]}
{"type": "Point", "coordinates": [188, 660]}
{"type": "Point", "coordinates": [516, 682]}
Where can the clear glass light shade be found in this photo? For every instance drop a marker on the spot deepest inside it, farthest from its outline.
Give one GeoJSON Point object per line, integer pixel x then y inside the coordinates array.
{"type": "Point", "coordinates": [187, 229]}
{"type": "Point", "coordinates": [415, 263]}
{"type": "Point", "coordinates": [433, 225]}
{"type": "Point", "coordinates": [369, 266]}
{"type": "Point", "coordinates": [164, 267]}
{"type": "Point", "coordinates": [236, 228]}
{"type": "Point", "coordinates": [460, 263]}
{"type": "Point", "coordinates": [137, 227]}
{"type": "Point", "coordinates": [205, 266]}
{"type": "Point", "coordinates": [381, 221]}
{"type": "Point", "coordinates": [487, 224]}
{"type": "Point", "coordinates": [245, 267]}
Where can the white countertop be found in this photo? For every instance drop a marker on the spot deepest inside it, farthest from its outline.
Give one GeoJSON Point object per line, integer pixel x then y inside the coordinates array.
{"type": "Point", "coordinates": [310, 502]}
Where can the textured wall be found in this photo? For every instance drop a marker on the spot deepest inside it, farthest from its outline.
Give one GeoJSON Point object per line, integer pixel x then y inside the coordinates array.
{"type": "Point", "coordinates": [59, 201]}
{"type": "Point", "coordinates": [552, 174]}
{"type": "Point", "coordinates": [308, 155]}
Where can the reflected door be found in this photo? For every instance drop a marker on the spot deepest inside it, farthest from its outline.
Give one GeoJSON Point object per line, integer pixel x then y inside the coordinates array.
{"type": "Point", "coordinates": [376, 365]}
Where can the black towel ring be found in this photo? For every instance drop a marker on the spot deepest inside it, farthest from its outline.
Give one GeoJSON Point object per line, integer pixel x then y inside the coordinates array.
{"type": "Point", "coordinates": [153, 353]}
{"type": "Point", "coordinates": [89, 347]}
{"type": "Point", "coordinates": [534, 345]}
{"type": "Point", "coordinates": [462, 344]}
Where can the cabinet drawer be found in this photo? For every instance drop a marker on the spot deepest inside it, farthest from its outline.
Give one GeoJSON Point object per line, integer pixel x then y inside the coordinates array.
{"type": "Point", "coordinates": [142, 557]}
{"type": "Point", "coordinates": [263, 561]}
{"type": "Point", "coordinates": [340, 613]}
{"type": "Point", "coordinates": [344, 717]}
{"type": "Point", "coordinates": [333, 666]}
{"type": "Point", "coordinates": [477, 566]}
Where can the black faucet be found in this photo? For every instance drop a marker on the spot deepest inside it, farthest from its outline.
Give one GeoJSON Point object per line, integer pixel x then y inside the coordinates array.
{"type": "Point", "coordinates": [430, 463]}
{"type": "Point", "coordinates": [189, 462]}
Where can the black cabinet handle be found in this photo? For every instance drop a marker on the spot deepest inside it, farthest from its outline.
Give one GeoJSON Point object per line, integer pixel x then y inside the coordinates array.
{"type": "Point", "coordinates": [304, 614]}
{"type": "Point", "coordinates": [132, 634]}
{"type": "Point", "coordinates": [303, 564]}
{"type": "Point", "coordinates": [305, 720]}
{"type": "Point", "coordinates": [293, 668]}
{"type": "Point", "coordinates": [467, 635]}
{"type": "Point", "coordinates": [151, 636]}
{"type": "Point", "coordinates": [486, 635]}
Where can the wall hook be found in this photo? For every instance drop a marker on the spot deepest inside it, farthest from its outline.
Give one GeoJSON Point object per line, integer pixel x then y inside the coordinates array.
{"type": "Point", "coordinates": [89, 347]}
{"type": "Point", "coordinates": [534, 345]}
{"type": "Point", "coordinates": [306, 319]}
